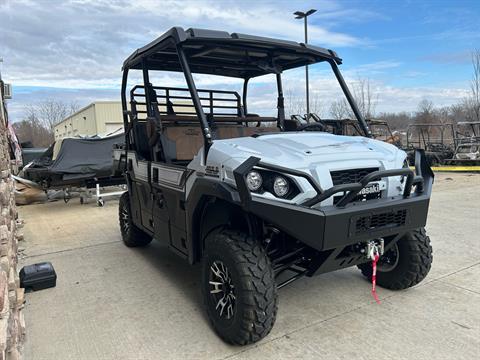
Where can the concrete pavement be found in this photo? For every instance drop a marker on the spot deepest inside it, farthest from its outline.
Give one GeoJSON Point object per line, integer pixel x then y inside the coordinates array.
{"type": "Point", "coordinates": [112, 302]}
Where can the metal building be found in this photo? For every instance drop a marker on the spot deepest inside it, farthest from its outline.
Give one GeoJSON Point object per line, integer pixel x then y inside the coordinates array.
{"type": "Point", "coordinates": [98, 118]}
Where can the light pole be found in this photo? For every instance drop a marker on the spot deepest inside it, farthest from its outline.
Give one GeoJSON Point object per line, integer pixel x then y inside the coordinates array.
{"type": "Point", "coordinates": [304, 15]}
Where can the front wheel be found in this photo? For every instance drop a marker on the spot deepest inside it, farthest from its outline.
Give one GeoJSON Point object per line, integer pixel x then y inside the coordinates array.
{"type": "Point", "coordinates": [238, 286]}
{"type": "Point", "coordinates": [404, 265]}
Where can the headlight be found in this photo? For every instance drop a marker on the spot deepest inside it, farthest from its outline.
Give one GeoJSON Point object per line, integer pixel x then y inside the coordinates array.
{"type": "Point", "coordinates": [280, 186]}
{"type": "Point", "coordinates": [262, 181]}
{"type": "Point", "coordinates": [254, 180]}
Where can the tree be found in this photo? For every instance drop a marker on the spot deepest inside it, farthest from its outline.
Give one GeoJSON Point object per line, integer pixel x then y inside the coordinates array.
{"type": "Point", "coordinates": [397, 121]}
{"type": "Point", "coordinates": [339, 109]}
{"type": "Point", "coordinates": [30, 129]}
{"type": "Point", "coordinates": [425, 114]}
{"type": "Point", "coordinates": [37, 125]}
{"type": "Point", "coordinates": [364, 97]}
{"type": "Point", "coordinates": [316, 105]}
{"type": "Point", "coordinates": [51, 112]}
{"type": "Point", "coordinates": [295, 105]}
{"type": "Point", "coordinates": [472, 103]}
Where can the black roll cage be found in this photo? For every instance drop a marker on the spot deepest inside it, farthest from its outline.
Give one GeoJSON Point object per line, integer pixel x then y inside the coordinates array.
{"type": "Point", "coordinates": [211, 96]}
{"type": "Point", "coordinates": [282, 55]}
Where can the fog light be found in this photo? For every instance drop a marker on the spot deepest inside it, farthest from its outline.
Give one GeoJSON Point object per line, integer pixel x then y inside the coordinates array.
{"type": "Point", "coordinates": [280, 186]}
{"type": "Point", "coordinates": [254, 180]}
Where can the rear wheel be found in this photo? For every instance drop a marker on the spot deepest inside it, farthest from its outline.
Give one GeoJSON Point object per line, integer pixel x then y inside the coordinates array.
{"type": "Point", "coordinates": [132, 236]}
{"type": "Point", "coordinates": [406, 264]}
{"type": "Point", "coordinates": [238, 286]}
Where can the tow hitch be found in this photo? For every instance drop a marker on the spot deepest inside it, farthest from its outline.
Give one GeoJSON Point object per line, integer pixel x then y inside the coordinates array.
{"type": "Point", "coordinates": [373, 251]}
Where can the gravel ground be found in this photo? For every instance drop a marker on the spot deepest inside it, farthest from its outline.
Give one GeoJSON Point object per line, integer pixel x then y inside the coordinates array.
{"type": "Point", "coordinates": [112, 302]}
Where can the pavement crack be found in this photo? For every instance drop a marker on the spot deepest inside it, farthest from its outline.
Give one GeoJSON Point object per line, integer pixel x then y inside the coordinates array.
{"type": "Point", "coordinates": [460, 287]}
{"type": "Point", "coordinates": [461, 325]}
{"type": "Point", "coordinates": [68, 250]}
{"type": "Point", "coordinates": [287, 334]}
{"type": "Point", "coordinates": [449, 274]}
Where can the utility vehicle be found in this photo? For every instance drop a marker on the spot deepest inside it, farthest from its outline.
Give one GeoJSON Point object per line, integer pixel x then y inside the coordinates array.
{"type": "Point", "coordinates": [467, 150]}
{"type": "Point", "coordinates": [438, 141]}
{"type": "Point", "coordinates": [259, 206]}
{"type": "Point", "coordinates": [380, 130]}
{"type": "Point", "coordinates": [468, 132]}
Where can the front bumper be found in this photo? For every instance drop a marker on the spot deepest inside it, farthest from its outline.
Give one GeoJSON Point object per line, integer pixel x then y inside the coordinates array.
{"type": "Point", "coordinates": [346, 222]}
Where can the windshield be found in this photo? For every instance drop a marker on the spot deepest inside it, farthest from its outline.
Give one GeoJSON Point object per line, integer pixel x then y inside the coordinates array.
{"type": "Point", "coordinates": [326, 97]}
{"type": "Point", "coordinates": [272, 100]}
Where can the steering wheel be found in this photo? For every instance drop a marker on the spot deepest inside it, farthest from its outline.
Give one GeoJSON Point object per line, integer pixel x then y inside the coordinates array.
{"type": "Point", "coordinates": [311, 127]}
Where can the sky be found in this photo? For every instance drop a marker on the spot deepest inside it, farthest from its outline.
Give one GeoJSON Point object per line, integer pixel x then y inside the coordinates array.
{"type": "Point", "coordinates": [408, 50]}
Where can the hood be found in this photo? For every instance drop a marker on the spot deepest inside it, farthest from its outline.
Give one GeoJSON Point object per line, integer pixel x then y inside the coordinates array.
{"type": "Point", "coordinates": [304, 148]}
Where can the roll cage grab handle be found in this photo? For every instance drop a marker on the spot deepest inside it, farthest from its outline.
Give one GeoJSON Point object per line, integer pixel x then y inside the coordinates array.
{"type": "Point", "coordinates": [206, 131]}
{"type": "Point", "coordinates": [123, 97]}
{"type": "Point", "coordinates": [422, 179]}
{"type": "Point", "coordinates": [350, 99]}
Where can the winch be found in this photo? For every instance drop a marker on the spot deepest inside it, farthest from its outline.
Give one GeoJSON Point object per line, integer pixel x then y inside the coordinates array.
{"type": "Point", "coordinates": [373, 250]}
{"type": "Point", "coordinates": [374, 247]}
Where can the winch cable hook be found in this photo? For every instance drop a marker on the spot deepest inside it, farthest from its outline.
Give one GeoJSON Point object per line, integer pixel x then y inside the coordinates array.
{"type": "Point", "coordinates": [373, 253]}
{"type": "Point", "coordinates": [374, 277]}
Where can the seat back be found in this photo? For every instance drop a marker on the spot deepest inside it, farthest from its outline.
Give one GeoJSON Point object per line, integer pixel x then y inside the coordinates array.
{"type": "Point", "coordinates": [141, 139]}
{"type": "Point", "coordinates": [182, 142]}
{"type": "Point", "coordinates": [229, 131]}
{"type": "Point", "coordinates": [290, 125]}
{"type": "Point", "coordinates": [182, 137]}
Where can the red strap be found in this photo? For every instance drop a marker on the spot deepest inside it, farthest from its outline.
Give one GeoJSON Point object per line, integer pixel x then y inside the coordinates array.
{"type": "Point", "coordinates": [374, 278]}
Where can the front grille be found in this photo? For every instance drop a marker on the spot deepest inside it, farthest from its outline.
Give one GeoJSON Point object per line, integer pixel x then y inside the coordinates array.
{"type": "Point", "coordinates": [340, 177]}
{"type": "Point", "coordinates": [389, 219]}
{"type": "Point", "coordinates": [350, 176]}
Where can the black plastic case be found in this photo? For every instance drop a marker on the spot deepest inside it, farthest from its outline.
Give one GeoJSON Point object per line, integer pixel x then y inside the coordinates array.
{"type": "Point", "coordinates": [38, 276]}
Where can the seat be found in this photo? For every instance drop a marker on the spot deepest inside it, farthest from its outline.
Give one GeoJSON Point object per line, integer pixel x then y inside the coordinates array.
{"type": "Point", "coordinates": [182, 142]}
{"type": "Point", "coordinates": [182, 136]}
{"type": "Point", "coordinates": [141, 140]}
{"type": "Point", "coordinates": [229, 131]}
{"type": "Point", "coordinates": [290, 125]}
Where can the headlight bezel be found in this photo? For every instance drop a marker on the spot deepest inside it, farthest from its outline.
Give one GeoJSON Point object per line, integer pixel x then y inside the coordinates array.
{"type": "Point", "coordinates": [268, 180]}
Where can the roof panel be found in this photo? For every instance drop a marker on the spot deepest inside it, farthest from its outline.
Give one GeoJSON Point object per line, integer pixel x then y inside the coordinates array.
{"type": "Point", "coordinates": [220, 53]}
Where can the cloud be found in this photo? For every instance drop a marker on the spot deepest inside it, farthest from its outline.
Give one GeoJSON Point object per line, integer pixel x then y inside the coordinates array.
{"type": "Point", "coordinates": [396, 99]}
{"type": "Point", "coordinates": [31, 95]}
{"type": "Point", "coordinates": [324, 90]}
{"type": "Point", "coordinates": [373, 69]}
{"type": "Point", "coordinates": [82, 43]}
{"type": "Point", "coordinates": [74, 49]}
{"type": "Point", "coordinates": [263, 96]}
